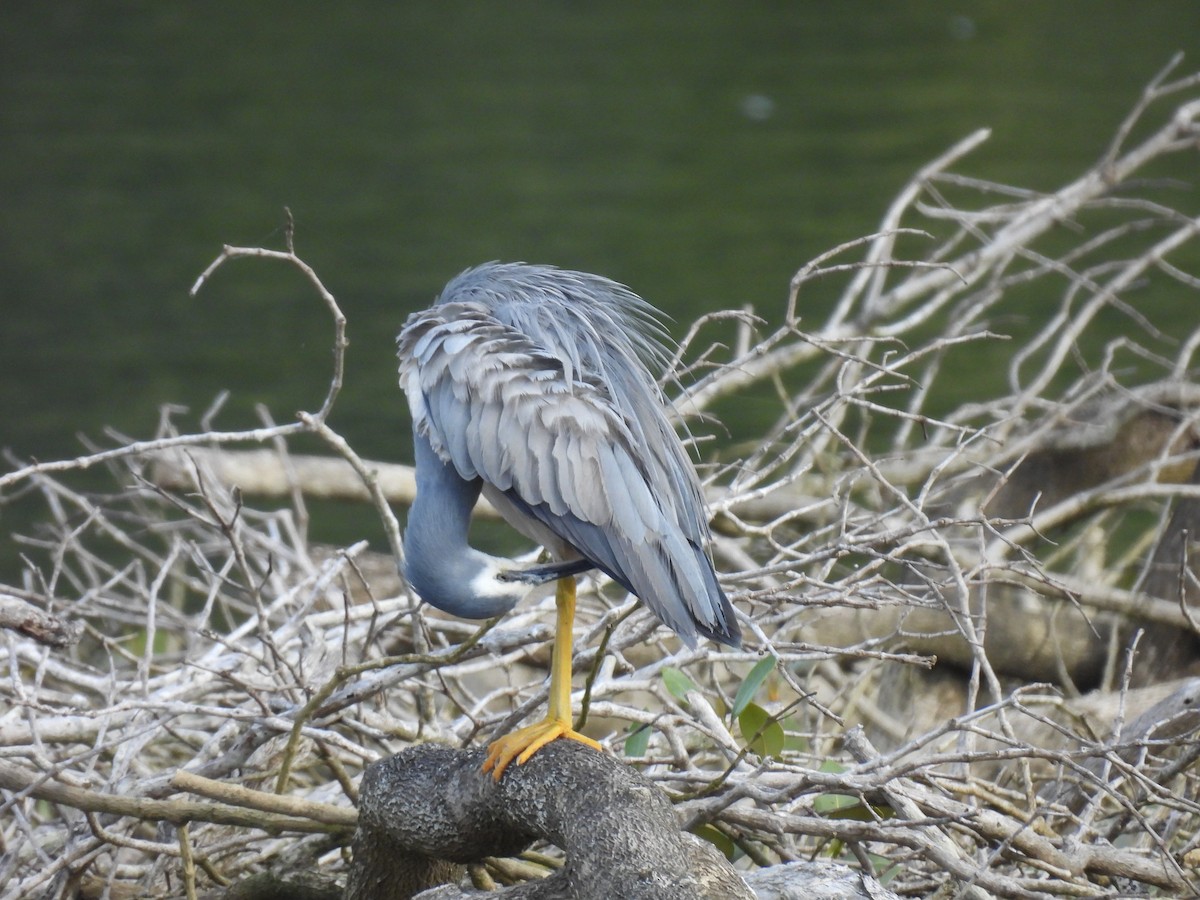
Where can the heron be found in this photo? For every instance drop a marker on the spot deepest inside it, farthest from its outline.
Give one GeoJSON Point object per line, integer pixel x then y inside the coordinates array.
{"type": "Point", "coordinates": [532, 385]}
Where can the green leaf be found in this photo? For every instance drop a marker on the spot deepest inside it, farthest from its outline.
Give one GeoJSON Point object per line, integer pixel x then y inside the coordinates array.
{"type": "Point", "coordinates": [794, 738]}
{"type": "Point", "coordinates": [677, 683]}
{"type": "Point", "coordinates": [718, 839]}
{"type": "Point", "coordinates": [636, 743]}
{"type": "Point", "coordinates": [855, 811]}
{"type": "Point", "coordinates": [846, 806]}
{"type": "Point", "coordinates": [838, 806]}
{"type": "Point", "coordinates": [886, 869]}
{"type": "Point", "coordinates": [753, 682]}
{"type": "Point", "coordinates": [762, 733]}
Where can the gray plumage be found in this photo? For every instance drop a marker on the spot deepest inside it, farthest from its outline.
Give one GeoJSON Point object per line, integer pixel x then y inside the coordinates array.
{"type": "Point", "coordinates": [530, 383]}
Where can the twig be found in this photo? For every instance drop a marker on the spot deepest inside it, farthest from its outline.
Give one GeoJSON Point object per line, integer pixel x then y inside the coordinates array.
{"type": "Point", "coordinates": [178, 812]}
{"type": "Point", "coordinates": [236, 795]}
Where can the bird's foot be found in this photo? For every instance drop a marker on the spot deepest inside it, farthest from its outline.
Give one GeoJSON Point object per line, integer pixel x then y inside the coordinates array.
{"type": "Point", "coordinates": [524, 742]}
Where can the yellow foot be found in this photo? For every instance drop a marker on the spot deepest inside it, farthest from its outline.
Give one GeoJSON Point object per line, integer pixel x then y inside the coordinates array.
{"type": "Point", "coordinates": [524, 742]}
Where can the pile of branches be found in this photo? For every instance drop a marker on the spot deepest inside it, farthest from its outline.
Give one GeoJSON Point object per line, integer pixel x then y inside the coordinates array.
{"type": "Point", "coordinates": [971, 625]}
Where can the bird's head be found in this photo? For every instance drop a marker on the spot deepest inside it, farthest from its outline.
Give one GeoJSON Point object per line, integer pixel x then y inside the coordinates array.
{"type": "Point", "coordinates": [473, 585]}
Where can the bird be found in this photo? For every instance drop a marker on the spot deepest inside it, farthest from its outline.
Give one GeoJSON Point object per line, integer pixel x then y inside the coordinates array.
{"type": "Point", "coordinates": [531, 384]}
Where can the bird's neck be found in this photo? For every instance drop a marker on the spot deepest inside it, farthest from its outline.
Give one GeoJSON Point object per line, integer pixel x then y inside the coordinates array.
{"type": "Point", "coordinates": [441, 511]}
{"type": "Point", "coordinates": [439, 563]}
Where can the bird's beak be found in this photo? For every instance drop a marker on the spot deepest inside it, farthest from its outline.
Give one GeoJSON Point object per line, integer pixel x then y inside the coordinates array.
{"type": "Point", "coordinates": [543, 574]}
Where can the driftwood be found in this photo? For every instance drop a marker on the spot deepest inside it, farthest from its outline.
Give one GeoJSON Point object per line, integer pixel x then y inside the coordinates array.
{"type": "Point", "coordinates": [268, 475]}
{"type": "Point", "coordinates": [428, 810]}
{"type": "Point", "coordinates": [265, 473]}
{"type": "Point", "coordinates": [619, 832]}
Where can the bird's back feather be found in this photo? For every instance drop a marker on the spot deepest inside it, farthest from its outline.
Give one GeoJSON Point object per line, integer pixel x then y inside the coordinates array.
{"type": "Point", "coordinates": [534, 380]}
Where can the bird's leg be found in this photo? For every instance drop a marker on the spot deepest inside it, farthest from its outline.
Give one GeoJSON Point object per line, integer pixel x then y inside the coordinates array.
{"type": "Point", "coordinates": [524, 742]}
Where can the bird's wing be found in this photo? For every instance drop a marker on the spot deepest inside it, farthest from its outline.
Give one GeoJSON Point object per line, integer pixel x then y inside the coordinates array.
{"type": "Point", "coordinates": [500, 407]}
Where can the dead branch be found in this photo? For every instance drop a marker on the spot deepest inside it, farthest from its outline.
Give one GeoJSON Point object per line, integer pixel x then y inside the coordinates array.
{"type": "Point", "coordinates": [20, 616]}
{"type": "Point", "coordinates": [178, 812]}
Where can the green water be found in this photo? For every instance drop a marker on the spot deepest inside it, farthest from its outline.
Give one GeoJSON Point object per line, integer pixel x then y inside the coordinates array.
{"type": "Point", "coordinates": [700, 152]}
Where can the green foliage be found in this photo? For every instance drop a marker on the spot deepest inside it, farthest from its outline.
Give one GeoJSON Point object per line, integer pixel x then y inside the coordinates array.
{"type": "Point", "coordinates": [846, 806]}
{"type": "Point", "coordinates": [638, 740]}
{"type": "Point", "coordinates": [677, 683]}
{"type": "Point", "coordinates": [718, 839]}
{"type": "Point", "coordinates": [761, 731]}
{"type": "Point", "coordinates": [753, 682]}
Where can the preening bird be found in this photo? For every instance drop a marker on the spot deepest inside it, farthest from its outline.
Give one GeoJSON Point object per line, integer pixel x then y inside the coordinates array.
{"type": "Point", "coordinates": [531, 384]}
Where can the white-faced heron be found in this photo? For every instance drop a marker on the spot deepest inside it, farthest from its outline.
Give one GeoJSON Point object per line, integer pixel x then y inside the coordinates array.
{"type": "Point", "coordinates": [530, 384]}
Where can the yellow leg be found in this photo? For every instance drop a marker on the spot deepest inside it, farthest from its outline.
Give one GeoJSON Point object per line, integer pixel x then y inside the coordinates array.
{"type": "Point", "coordinates": [524, 742]}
